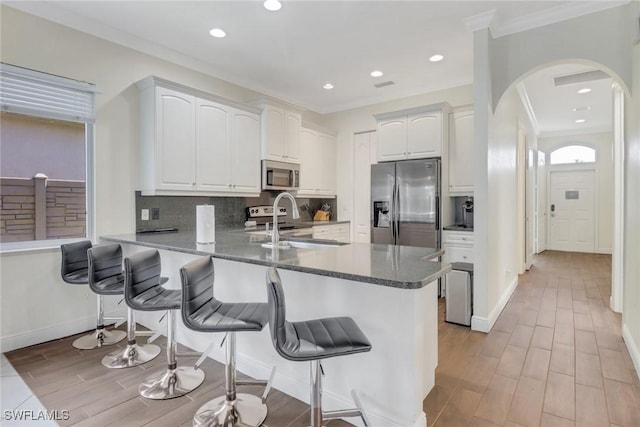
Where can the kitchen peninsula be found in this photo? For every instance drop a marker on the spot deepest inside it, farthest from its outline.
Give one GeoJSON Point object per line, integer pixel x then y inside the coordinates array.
{"type": "Point", "coordinates": [389, 290]}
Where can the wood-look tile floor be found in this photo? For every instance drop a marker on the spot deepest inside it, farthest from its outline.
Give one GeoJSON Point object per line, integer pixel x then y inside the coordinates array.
{"type": "Point", "coordinates": [64, 378]}
{"type": "Point", "coordinates": [555, 356]}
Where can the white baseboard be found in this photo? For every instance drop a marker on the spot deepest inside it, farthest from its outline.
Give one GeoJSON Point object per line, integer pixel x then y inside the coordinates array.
{"type": "Point", "coordinates": [51, 332]}
{"type": "Point", "coordinates": [633, 347]}
{"type": "Point", "coordinates": [484, 324]}
{"type": "Point", "coordinates": [48, 333]}
{"type": "Point", "coordinates": [606, 251]}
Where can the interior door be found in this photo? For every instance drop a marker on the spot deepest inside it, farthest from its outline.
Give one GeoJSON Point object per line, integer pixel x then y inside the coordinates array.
{"type": "Point", "coordinates": [529, 208]}
{"type": "Point", "coordinates": [541, 204]}
{"type": "Point", "coordinates": [572, 211]}
{"type": "Point", "coordinates": [362, 184]}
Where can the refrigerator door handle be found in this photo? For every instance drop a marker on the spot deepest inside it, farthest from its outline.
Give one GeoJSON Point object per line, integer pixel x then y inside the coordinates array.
{"type": "Point", "coordinates": [393, 213]}
{"type": "Point", "coordinates": [397, 209]}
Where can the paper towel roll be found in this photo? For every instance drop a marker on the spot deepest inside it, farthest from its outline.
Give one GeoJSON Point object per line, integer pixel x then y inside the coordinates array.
{"type": "Point", "coordinates": [205, 224]}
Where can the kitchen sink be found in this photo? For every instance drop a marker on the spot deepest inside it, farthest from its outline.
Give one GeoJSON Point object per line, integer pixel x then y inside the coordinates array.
{"type": "Point", "coordinates": [312, 245]}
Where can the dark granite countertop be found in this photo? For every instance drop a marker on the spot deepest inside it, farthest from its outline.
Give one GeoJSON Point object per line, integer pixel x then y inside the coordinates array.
{"type": "Point", "coordinates": [395, 266]}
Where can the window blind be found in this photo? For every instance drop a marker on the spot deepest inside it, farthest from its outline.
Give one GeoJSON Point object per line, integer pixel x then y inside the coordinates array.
{"type": "Point", "coordinates": [25, 91]}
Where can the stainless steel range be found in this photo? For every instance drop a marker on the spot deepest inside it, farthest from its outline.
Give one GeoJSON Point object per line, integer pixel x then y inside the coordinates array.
{"type": "Point", "coordinates": [263, 215]}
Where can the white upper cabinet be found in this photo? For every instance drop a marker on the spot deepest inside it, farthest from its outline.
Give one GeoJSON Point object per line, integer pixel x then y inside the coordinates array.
{"type": "Point", "coordinates": [416, 133]}
{"type": "Point", "coordinates": [461, 147]}
{"type": "Point", "coordinates": [424, 135]}
{"type": "Point", "coordinates": [193, 145]}
{"type": "Point", "coordinates": [318, 166]}
{"type": "Point", "coordinates": [175, 140]}
{"type": "Point", "coordinates": [280, 133]}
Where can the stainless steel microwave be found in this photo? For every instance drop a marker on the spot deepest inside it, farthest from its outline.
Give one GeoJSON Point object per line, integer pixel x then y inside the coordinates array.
{"type": "Point", "coordinates": [280, 175]}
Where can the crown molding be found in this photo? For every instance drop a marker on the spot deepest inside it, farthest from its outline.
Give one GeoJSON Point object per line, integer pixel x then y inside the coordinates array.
{"type": "Point", "coordinates": [574, 9]}
{"type": "Point", "coordinates": [575, 132]}
{"type": "Point", "coordinates": [552, 15]}
{"type": "Point", "coordinates": [481, 21]}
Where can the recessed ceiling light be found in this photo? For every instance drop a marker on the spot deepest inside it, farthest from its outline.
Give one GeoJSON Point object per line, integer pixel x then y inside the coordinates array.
{"type": "Point", "coordinates": [327, 86]}
{"type": "Point", "coordinates": [217, 32]}
{"type": "Point", "coordinates": [580, 121]}
{"type": "Point", "coordinates": [272, 5]}
{"type": "Point", "coordinates": [586, 108]}
{"type": "Point", "coordinates": [376, 73]}
{"type": "Point", "coordinates": [436, 58]}
{"type": "Point", "coordinates": [585, 90]}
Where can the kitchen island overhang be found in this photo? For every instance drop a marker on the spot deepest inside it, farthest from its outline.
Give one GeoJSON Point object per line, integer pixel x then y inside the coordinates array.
{"type": "Point", "coordinates": [390, 291]}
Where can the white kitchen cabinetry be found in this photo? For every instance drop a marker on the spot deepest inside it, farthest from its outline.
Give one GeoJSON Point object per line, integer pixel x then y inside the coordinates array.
{"type": "Point", "coordinates": [318, 163]}
{"type": "Point", "coordinates": [416, 133]}
{"type": "Point", "coordinates": [280, 133]}
{"type": "Point", "coordinates": [191, 145]}
{"type": "Point", "coordinates": [340, 232]}
{"type": "Point", "coordinates": [461, 156]}
{"type": "Point", "coordinates": [458, 246]}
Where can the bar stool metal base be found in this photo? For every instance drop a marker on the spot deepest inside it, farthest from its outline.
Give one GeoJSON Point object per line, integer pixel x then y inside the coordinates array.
{"type": "Point", "coordinates": [246, 411]}
{"type": "Point", "coordinates": [171, 383]}
{"type": "Point", "coordinates": [131, 355]}
{"type": "Point", "coordinates": [99, 338]}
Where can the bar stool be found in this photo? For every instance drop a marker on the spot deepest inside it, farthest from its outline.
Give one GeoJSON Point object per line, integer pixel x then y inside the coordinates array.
{"type": "Point", "coordinates": [106, 278]}
{"type": "Point", "coordinates": [314, 340]}
{"type": "Point", "coordinates": [144, 292]}
{"type": "Point", "coordinates": [75, 270]}
{"type": "Point", "coordinates": [202, 312]}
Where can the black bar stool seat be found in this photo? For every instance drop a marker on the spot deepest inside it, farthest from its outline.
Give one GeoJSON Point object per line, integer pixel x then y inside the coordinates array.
{"type": "Point", "coordinates": [106, 278]}
{"type": "Point", "coordinates": [202, 312]}
{"type": "Point", "coordinates": [314, 340]}
{"type": "Point", "coordinates": [76, 270]}
{"type": "Point", "coordinates": [144, 292]}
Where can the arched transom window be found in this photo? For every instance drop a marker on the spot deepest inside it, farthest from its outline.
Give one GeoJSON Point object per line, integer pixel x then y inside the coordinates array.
{"type": "Point", "coordinates": [573, 154]}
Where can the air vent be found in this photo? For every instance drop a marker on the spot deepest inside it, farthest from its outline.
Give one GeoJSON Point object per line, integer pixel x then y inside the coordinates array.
{"type": "Point", "coordinates": [586, 76]}
{"type": "Point", "coordinates": [383, 84]}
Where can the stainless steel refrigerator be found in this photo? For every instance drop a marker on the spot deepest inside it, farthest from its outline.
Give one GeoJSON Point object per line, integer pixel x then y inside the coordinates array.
{"type": "Point", "coordinates": [405, 203]}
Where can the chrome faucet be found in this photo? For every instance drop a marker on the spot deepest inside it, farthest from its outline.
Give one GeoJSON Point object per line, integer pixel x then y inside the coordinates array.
{"type": "Point", "coordinates": [295, 214]}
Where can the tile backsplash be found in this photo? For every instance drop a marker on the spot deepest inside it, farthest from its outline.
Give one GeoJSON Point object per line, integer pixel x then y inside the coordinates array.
{"type": "Point", "coordinates": [180, 211]}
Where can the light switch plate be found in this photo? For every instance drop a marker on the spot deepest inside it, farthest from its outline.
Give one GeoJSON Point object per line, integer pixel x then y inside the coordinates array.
{"type": "Point", "coordinates": [145, 215]}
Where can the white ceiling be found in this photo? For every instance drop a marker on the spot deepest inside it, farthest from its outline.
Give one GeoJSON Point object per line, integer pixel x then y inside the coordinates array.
{"type": "Point", "coordinates": [291, 53]}
{"type": "Point", "coordinates": [553, 106]}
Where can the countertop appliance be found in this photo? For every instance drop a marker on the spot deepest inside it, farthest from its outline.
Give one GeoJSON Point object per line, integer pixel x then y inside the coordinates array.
{"type": "Point", "coordinates": [467, 212]}
{"type": "Point", "coordinates": [405, 203]}
{"type": "Point", "coordinates": [280, 176]}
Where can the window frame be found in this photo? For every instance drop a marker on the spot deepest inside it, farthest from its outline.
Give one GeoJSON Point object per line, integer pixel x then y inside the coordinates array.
{"type": "Point", "coordinates": [89, 123]}
{"type": "Point", "coordinates": [574, 144]}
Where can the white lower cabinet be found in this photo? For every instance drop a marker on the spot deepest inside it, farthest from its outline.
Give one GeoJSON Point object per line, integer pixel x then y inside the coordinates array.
{"type": "Point", "coordinates": [458, 246]}
{"type": "Point", "coordinates": [340, 232]}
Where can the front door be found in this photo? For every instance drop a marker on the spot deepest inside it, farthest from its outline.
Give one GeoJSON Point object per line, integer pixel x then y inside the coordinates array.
{"type": "Point", "coordinates": [541, 204]}
{"type": "Point", "coordinates": [572, 211]}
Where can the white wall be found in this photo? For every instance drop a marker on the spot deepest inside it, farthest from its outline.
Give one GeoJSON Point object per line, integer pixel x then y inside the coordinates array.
{"type": "Point", "coordinates": [631, 294]}
{"type": "Point", "coordinates": [603, 143]}
{"type": "Point", "coordinates": [604, 37]}
{"type": "Point", "coordinates": [35, 43]}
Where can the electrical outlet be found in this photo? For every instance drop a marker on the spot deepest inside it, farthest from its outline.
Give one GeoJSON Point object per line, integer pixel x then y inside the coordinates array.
{"type": "Point", "coordinates": [144, 216]}
{"type": "Point", "coordinates": [155, 213]}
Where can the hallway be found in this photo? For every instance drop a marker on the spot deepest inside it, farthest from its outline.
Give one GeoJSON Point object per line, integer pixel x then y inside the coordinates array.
{"type": "Point", "coordinates": [555, 357]}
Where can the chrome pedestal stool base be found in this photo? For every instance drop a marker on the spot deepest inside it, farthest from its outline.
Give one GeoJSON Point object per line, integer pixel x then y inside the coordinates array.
{"type": "Point", "coordinates": [131, 355]}
{"type": "Point", "coordinates": [246, 411]}
{"type": "Point", "coordinates": [99, 338]}
{"type": "Point", "coordinates": [171, 383]}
